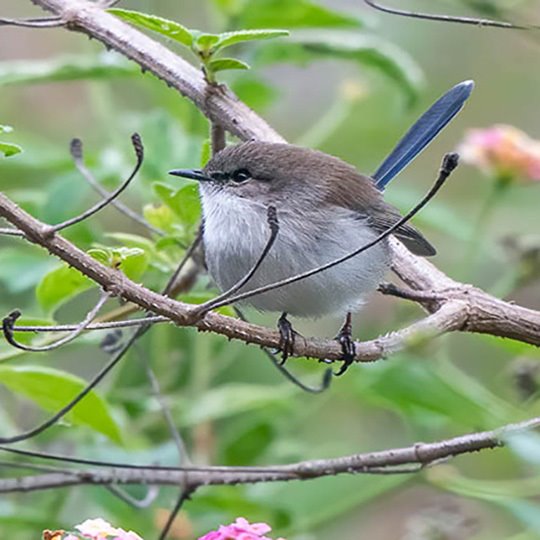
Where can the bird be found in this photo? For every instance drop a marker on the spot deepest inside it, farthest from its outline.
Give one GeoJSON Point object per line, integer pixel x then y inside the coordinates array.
{"type": "Point", "coordinates": [323, 209]}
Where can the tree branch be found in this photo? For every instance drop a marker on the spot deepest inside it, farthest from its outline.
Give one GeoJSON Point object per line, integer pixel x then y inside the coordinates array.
{"type": "Point", "coordinates": [394, 461]}
{"type": "Point", "coordinates": [464, 307]}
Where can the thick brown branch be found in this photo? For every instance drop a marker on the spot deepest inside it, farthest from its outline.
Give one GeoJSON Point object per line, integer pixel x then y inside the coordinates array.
{"type": "Point", "coordinates": [485, 314]}
{"type": "Point", "coordinates": [116, 283]}
{"type": "Point", "coordinates": [466, 308]}
{"type": "Point", "coordinates": [393, 461]}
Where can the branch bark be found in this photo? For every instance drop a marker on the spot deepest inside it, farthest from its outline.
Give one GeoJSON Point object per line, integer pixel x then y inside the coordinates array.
{"type": "Point", "coordinates": [393, 461]}
{"type": "Point", "coordinates": [117, 284]}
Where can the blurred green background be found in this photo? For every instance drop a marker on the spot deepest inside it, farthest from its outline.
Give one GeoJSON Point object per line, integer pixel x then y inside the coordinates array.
{"type": "Point", "coordinates": [232, 407]}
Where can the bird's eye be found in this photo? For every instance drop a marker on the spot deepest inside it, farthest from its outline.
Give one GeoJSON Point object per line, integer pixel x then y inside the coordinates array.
{"type": "Point", "coordinates": [240, 175]}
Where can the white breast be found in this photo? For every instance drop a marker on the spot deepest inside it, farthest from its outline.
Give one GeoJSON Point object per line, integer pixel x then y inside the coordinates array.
{"type": "Point", "coordinates": [236, 232]}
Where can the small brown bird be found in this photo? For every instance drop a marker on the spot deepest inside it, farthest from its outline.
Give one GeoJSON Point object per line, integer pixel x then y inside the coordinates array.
{"type": "Point", "coordinates": [325, 209]}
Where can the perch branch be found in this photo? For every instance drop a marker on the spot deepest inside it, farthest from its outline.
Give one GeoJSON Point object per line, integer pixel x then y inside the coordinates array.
{"type": "Point", "coordinates": [463, 307]}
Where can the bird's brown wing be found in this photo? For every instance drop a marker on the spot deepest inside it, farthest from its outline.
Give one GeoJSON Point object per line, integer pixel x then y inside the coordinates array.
{"type": "Point", "coordinates": [363, 197]}
{"type": "Point", "coordinates": [386, 216]}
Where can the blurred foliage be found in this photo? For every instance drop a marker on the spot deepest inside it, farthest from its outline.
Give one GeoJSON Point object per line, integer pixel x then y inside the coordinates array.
{"type": "Point", "coordinates": [8, 149]}
{"type": "Point", "coordinates": [229, 403]}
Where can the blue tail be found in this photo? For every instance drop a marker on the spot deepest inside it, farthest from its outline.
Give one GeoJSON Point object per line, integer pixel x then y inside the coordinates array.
{"type": "Point", "coordinates": [426, 128]}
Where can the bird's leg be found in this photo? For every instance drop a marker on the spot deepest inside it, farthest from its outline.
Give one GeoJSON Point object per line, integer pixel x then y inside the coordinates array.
{"type": "Point", "coordinates": [347, 344]}
{"type": "Point", "coordinates": [287, 337]}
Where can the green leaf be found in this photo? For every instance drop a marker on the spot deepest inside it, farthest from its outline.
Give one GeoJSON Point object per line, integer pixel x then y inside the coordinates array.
{"type": "Point", "coordinates": [104, 256]}
{"type": "Point", "coordinates": [133, 241]}
{"type": "Point", "coordinates": [184, 202]}
{"type": "Point", "coordinates": [206, 153]}
{"type": "Point", "coordinates": [66, 68]}
{"type": "Point", "coordinates": [165, 27]}
{"type": "Point", "coordinates": [205, 42]}
{"type": "Point", "coordinates": [9, 149]}
{"type": "Point", "coordinates": [293, 14]}
{"type": "Point", "coordinates": [133, 262]}
{"type": "Point", "coordinates": [59, 286]}
{"type": "Point", "coordinates": [160, 216]}
{"type": "Point", "coordinates": [447, 394]}
{"type": "Point", "coordinates": [233, 399]}
{"type": "Point", "coordinates": [222, 64]}
{"type": "Point", "coordinates": [21, 269]}
{"type": "Point", "coordinates": [232, 38]}
{"type": "Point", "coordinates": [52, 389]}
{"type": "Point", "coordinates": [366, 50]}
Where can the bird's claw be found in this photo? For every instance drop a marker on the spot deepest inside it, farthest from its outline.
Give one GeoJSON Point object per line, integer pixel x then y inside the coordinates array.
{"type": "Point", "coordinates": [348, 347]}
{"type": "Point", "coordinates": [287, 337]}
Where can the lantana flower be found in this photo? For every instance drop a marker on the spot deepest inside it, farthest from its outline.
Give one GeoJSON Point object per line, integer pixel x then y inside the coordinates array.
{"type": "Point", "coordinates": [99, 529]}
{"type": "Point", "coordinates": [503, 152]}
{"type": "Point", "coordinates": [241, 529]}
{"type": "Point", "coordinates": [94, 529]}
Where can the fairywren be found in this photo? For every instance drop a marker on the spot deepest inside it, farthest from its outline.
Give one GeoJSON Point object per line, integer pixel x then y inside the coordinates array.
{"type": "Point", "coordinates": [325, 210]}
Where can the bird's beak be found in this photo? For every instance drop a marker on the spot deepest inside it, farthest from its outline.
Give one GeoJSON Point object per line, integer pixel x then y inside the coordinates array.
{"type": "Point", "coordinates": [193, 174]}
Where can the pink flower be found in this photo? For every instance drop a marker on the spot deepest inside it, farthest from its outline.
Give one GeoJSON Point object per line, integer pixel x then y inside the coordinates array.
{"type": "Point", "coordinates": [99, 529]}
{"type": "Point", "coordinates": [502, 151]}
{"type": "Point", "coordinates": [241, 529]}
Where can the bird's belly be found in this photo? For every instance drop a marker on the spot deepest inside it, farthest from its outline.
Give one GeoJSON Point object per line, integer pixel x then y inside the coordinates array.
{"type": "Point", "coordinates": [337, 290]}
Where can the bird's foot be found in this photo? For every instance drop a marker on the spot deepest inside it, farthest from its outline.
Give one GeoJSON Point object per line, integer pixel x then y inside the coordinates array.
{"type": "Point", "coordinates": [287, 336]}
{"type": "Point", "coordinates": [348, 347]}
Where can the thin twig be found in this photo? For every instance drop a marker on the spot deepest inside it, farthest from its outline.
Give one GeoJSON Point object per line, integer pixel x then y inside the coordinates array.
{"type": "Point", "coordinates": [446, 18]}
{"type": "Point", "coordinates": [173, 285]}
{"type": "Point", "coordinates": [76, 151]}
{"type": "Point", "coordinates": [185, 494]}
{"type": "Point", "coordinates": [94, 326]}
{"type": "Point", "coordinates": [139, 153]}
{"type": "Point", "coordinates": [45, 22]}
{"type": "Point", "coordinates": [166, 411]}
{"type": "Point", "coordinates": [11, 232]}
{"type": "Point", "coordinates": [8, 322]}
{"type": "Point", "coordinates": [151, 494]}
